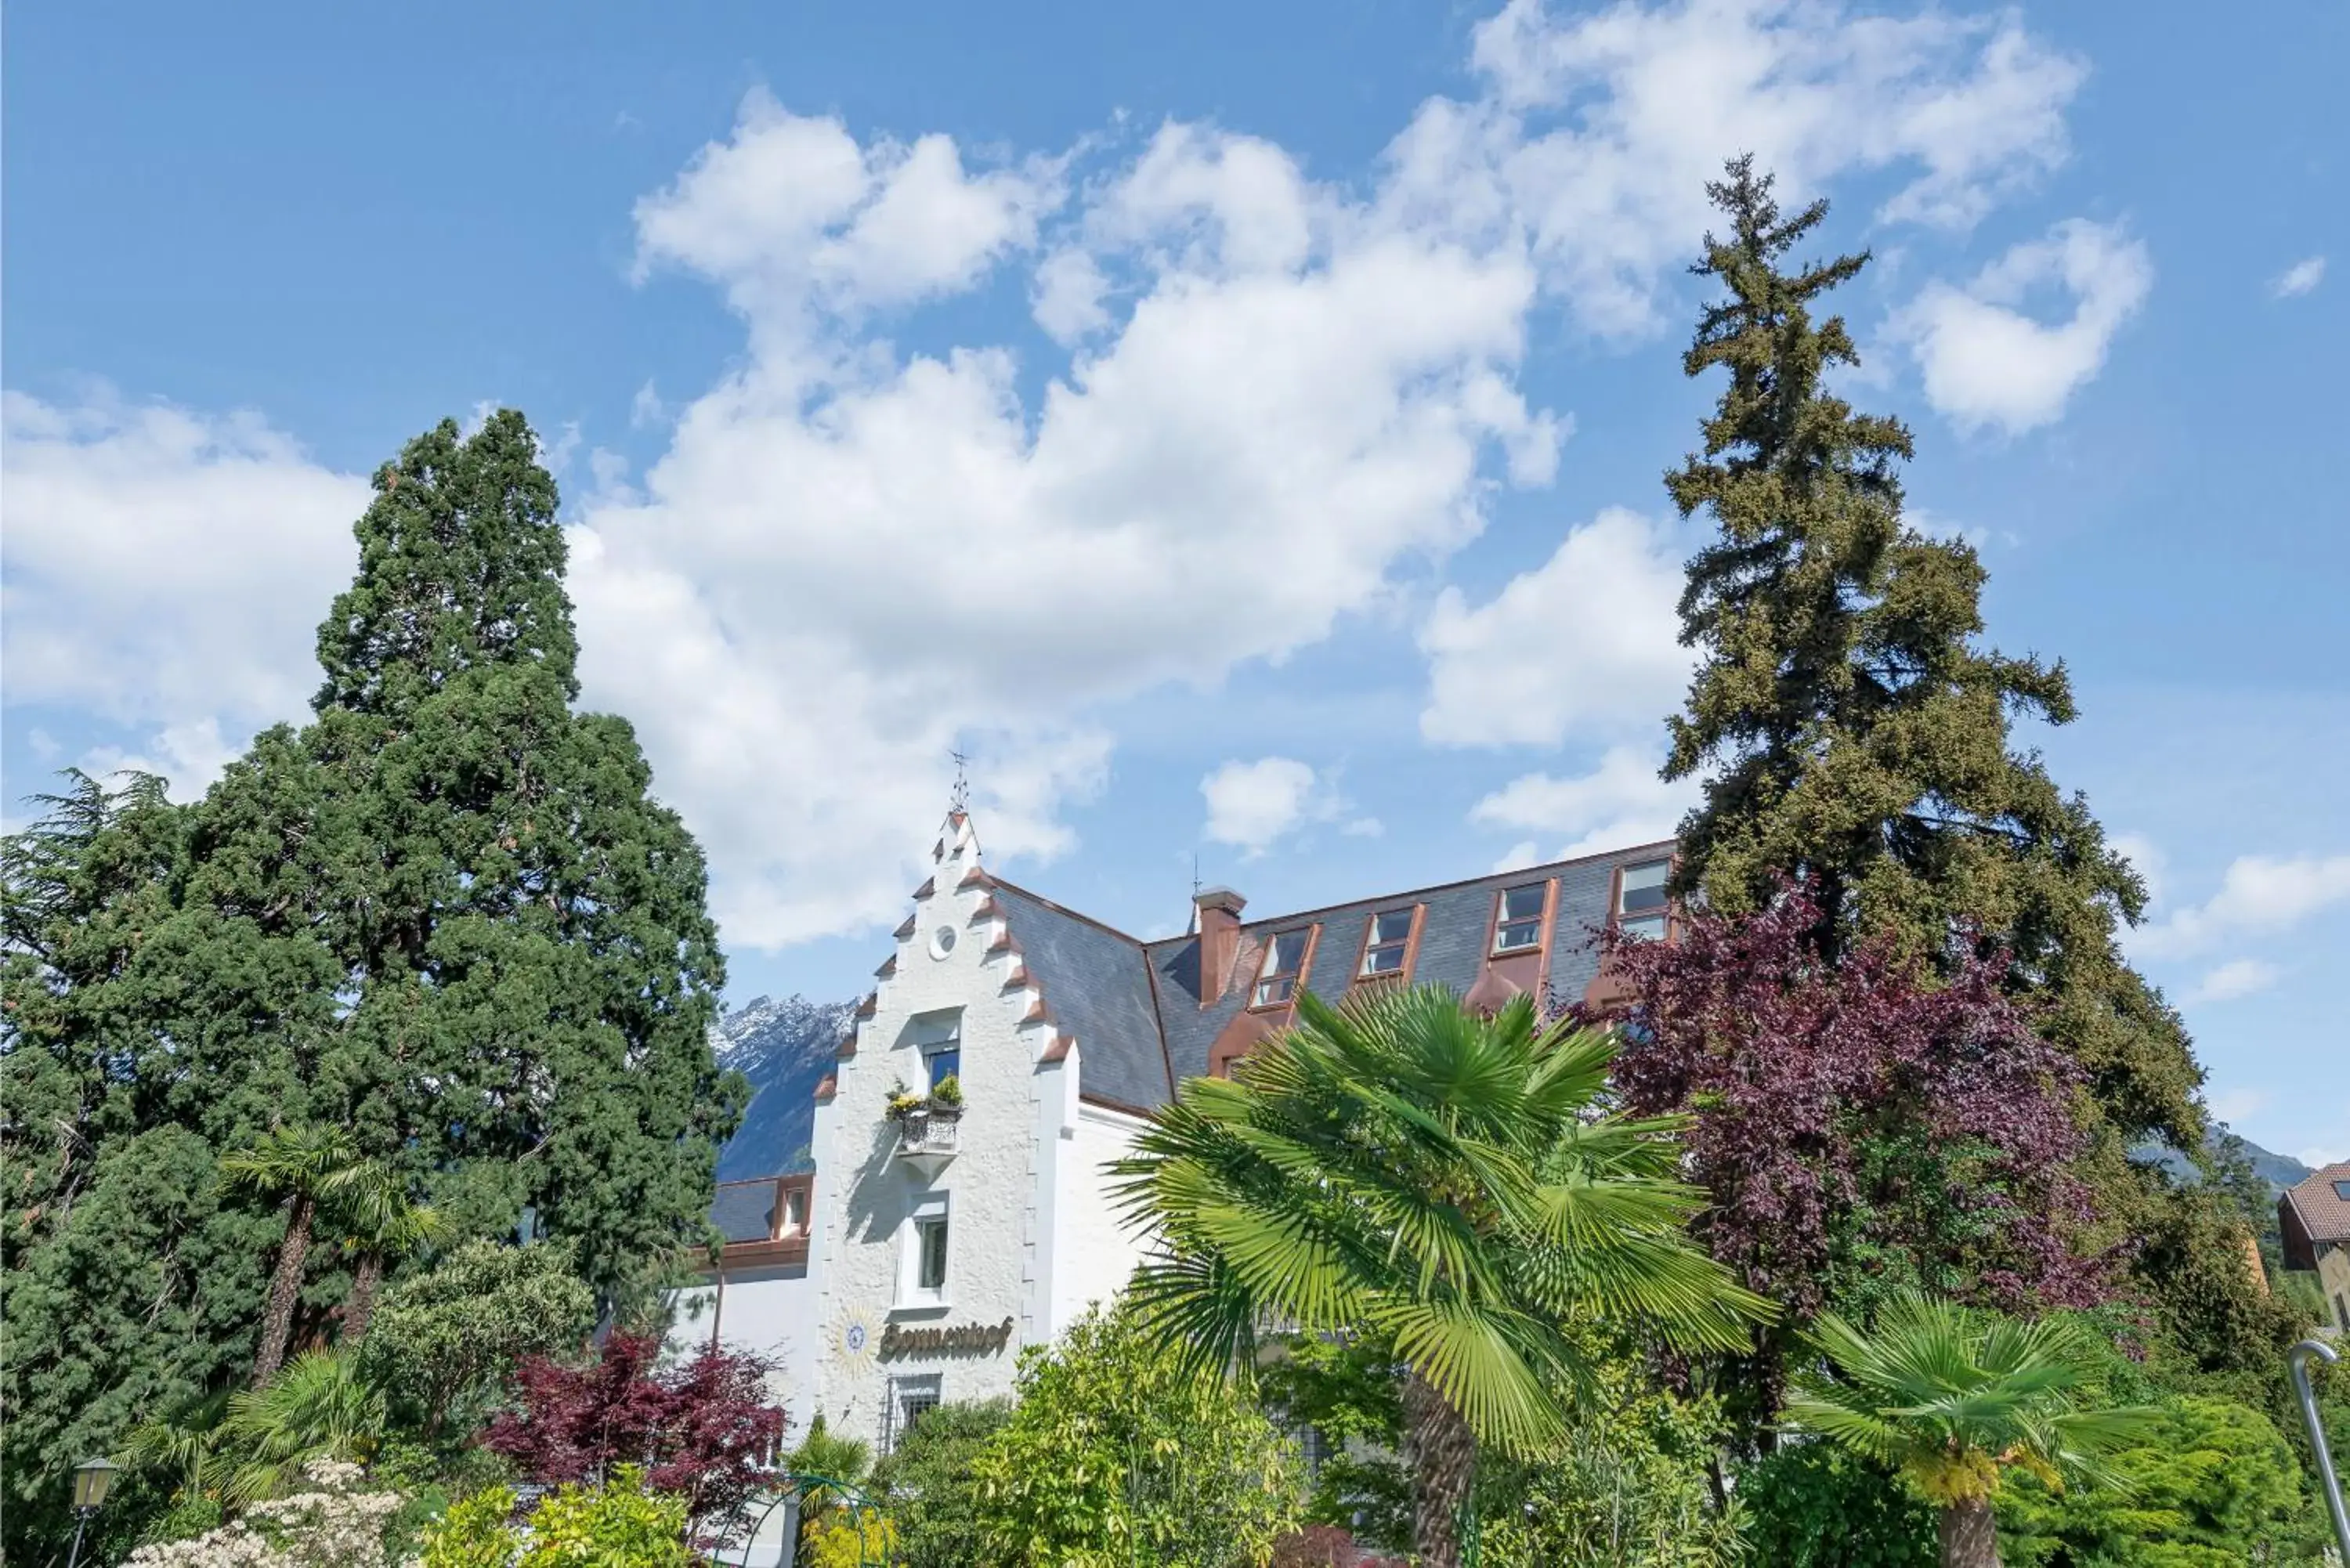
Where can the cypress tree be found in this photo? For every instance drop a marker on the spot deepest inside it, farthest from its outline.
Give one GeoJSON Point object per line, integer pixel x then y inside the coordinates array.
{"type": "Point", "coordinates": [1857, 730]}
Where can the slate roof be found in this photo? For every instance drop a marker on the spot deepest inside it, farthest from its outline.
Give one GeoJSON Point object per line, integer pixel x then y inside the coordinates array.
{"type": "Point", "coordinates": [1133, 1007]}
{"type": "Point", "coordinates": [745, 1210]}
{"type": "Point", "coordinates": [1097, 989]}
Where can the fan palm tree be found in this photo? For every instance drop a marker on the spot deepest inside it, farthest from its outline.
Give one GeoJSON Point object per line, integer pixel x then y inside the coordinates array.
{"type": "Point", "coordinates": [1404, 1165]}
{"type": "Point", "coordinates": [379, 1224]}
{"type": "Point", "coordinates": [1951, 1397]}
{"type": "Point", "coordinates": [321, 1406]}
{"type": "Point", "coordinates": [301, 1167]}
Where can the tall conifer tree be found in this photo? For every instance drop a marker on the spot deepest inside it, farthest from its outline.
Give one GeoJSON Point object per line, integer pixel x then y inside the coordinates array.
{"type": "Point", "coordinates": [531, 972]}
{"type": "Point", "coordinates": [446, 915]}
{"type": "Point", "coordinates": [1858, 733]}
{"type": "Point", "coordinates": [1855, 728]}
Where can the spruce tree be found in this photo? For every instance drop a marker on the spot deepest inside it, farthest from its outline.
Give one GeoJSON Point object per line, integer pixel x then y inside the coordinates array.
{"type": "Point", "coordinates": [1855, 730]}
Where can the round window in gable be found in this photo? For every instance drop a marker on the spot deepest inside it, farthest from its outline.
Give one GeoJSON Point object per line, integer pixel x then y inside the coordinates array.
{"type": "Point", "coordinates": [943, 941]}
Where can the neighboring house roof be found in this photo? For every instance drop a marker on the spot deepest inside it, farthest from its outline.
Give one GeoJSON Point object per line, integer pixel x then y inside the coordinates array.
{"type": "Point", "coordinates": [1134, 1007]}
{"type": "Point", "coordinates": [745, 1210]}
{"type": "Point", "coordinates": [2314, 1211]}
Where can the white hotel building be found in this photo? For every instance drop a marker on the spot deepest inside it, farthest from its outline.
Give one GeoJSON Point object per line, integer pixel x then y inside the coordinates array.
{"type": "Point", "coordinates": [922, 1253]}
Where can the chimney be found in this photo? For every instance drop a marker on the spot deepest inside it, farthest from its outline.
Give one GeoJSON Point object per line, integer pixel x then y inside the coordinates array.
{"type": "Point", "coordinates": [1220, 938]}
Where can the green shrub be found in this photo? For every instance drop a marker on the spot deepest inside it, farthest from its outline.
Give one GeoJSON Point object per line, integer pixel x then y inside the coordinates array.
{"type": "Point", "coordinates": [476, 1531]}
{"type": "Point", "coordinates": [1117, 1454]}
{"type": "Point", "coordinates": [620, 1524]}
{"type": "Point", "coordinates": [190, 1515]}
{"type": "Point", "coordinates": [2212, 1485]}
{"type": "Point", "coordinates": [857, 1540]}
{"type": "Point", "coordinates": [932, 1497]}
{"type": "Point", "coordinates": [444, 1343]}
{"type": "Point", "coordinates": [1816, 1505]}
{"type": "Point", "coordinates": [1629, 1487]}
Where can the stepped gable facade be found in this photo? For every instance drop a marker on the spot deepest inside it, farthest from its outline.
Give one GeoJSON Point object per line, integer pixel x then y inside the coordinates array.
{"type": "Point", "coordinates": [947, 1225]}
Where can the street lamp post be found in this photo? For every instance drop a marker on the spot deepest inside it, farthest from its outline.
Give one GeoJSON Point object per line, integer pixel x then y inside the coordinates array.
{"type": "Point", "coordinates": [91, 1478]}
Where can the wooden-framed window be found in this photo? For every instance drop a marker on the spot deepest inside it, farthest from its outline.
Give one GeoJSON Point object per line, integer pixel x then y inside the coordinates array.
{"type": "Point", "coordinates": [1518, 922]}
{"type": "Point", "coordinates": [1387, 942]}
{"type": "Point", "coordinates": [1642, 909]}
{"type": "Point", "coordinates": [1277, 978]}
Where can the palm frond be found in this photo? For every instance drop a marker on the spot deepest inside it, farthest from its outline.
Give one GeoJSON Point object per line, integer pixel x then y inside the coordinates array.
{"type": "Point", "coordinates": [1935, 1382]}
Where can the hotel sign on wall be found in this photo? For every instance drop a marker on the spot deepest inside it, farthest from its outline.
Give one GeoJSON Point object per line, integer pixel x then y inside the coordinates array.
{"type": "Point", "coordinates": [947, 1339]}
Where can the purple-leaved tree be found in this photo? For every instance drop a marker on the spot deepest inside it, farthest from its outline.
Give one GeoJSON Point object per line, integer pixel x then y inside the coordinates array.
{"type": "Point", "coordinates": [1862, 1126]}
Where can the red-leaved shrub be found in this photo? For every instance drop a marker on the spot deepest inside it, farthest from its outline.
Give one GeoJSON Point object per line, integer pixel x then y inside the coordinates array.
{"type": "Point", "coordinates": [704, 1428]}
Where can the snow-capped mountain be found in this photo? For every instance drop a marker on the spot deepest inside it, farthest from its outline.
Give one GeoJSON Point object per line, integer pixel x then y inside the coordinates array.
{"type": "Point", "coordinates": [785, 1048]}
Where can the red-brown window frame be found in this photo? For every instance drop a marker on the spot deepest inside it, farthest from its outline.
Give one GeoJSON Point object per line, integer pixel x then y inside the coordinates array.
{"type": "Point", "coordinates": [1671, 910]}
{"type": "Point", "coordinates": [1493, 950]}
{"type": "Point", "coordinates": [1305, 967]}
{"type": "Point", "coordinates": [1411, 944]}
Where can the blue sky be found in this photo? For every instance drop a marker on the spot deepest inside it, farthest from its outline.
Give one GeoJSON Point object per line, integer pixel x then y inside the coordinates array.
{"type": "Point", "coordinates": [1239, 428]}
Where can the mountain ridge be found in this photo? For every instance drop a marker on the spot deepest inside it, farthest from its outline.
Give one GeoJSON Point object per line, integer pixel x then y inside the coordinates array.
{"type": "Point", "coordinates": [785, 1047]}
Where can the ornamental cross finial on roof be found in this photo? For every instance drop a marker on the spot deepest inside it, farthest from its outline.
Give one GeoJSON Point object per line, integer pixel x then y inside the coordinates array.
{"type": "Point", "coordinates": [959, 798]}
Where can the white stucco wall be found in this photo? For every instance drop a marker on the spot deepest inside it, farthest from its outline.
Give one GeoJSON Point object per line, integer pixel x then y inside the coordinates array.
{"type": "Point", "coordinates": [1095, 1255]}
{"type": "Point", "coordinates": [865, 1193]}
{"type": "Point", "coordinates": [770, 1309]}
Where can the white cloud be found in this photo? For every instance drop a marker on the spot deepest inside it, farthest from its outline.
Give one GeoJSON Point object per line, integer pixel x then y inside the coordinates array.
{"type": "Point", "coordinates": [2299, 278]}
{"type": "Point", "coordinates": [1279, 398]}
{"type": "Point", "coordinates": [167, 569]}
{"type": "Point", "coordinates": [792, 215]}
{"type": "Point", "coordinates": [1525, 852]}
{"type": "Point", "coordinates": [2145, 857]}
{"type": "Point", "coordinates": [1601, 129]}
{"type": "Point", "coordinates": [2236, 978]}
{"type": "Point", "coordinates": [1988, 363]}
{"type": "Point", "coordinates": [2235, 1106]}
{"type": "Point", "coordinates": [1620, 803]}
{"type": "Point", "coordinates": [1251, 804]}
{"type": "Point", "coordinates": [2258, 895]}
{"type": "Point", "coordinates": [847, 558]}
{"type": "Point", "coordinates": [1587, 640]}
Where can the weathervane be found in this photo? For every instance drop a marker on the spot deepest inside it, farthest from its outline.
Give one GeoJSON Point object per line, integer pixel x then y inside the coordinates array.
{"type": "Point", "coordinates": [959, 799]}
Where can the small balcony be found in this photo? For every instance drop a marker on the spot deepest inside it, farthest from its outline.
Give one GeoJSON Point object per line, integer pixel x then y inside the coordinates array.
{"type": "Point", "coordinates": [928, 1137]}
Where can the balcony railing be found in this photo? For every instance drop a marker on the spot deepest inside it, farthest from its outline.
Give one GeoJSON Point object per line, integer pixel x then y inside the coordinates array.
{"type": "Point", "coordinates": [926, 1135]}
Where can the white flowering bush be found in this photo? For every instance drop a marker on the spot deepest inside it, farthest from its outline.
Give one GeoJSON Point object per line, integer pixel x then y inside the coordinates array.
{"type": "Point", "coordinates": [331, 1525]}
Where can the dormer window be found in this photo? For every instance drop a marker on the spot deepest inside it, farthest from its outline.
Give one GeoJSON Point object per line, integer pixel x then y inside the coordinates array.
{"type": "Point", "coordinates": [1386, 943]}
{"type": "Point", "coordinates": [1276, 981]}
{"type": "Point", "coordinates": [1518, 928]}
{"type": "Point", "coordinates": [1640, 901]}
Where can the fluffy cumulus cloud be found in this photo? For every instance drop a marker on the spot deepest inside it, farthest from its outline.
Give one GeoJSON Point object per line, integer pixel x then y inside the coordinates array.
{"type": "Point", "coordinates": [848, 559]}
{"type": "Point", "coordinates": [1990, 361]}
{"type": "Point", "coordinates": [1257, 403]}
{"type": "Point", "coordinates": [2299, 278]}
{"type": "Point", "coordinates": [166, 570]}
{"type": "Point", "coordinates": [1622, 801]}
{"type": "Point", "coordinates": [1585, 643]}
{"type": "Point", "coordinates": [1599, 129]}
{"type": "Point", "coordinates": [1254, 805]}
{"type": "Point", "coordinates": [2258, 896]}
{"type": "Point", "coordinates": [2236, 978]}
